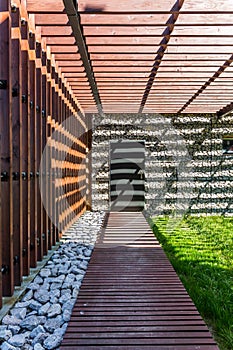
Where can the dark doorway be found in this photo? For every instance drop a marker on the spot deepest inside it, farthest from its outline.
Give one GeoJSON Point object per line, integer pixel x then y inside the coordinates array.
{"type": "Point", "coordinates": [127, 175]}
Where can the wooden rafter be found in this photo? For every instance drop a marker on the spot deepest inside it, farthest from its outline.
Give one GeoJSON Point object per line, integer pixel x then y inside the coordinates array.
{"type": "Point", "coordinates": [192, 41]}
{"type": "Point", "coordinates": [163, 46]}
{"type": "Point", "coordinates": [211, 80]}
{"type": "Point", "coordinates": [225, 110]}
{"type": "Point", "coordinates": [75, 24]}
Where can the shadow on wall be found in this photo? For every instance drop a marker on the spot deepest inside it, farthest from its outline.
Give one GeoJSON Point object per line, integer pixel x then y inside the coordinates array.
{"type": "Point", "coordinates": [206, 184]}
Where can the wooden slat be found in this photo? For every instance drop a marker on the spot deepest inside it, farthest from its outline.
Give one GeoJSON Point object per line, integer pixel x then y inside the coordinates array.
{"type": "Point", "coordinates": [25, 148]}
{"type": "Point", "coordinates": [50, 20]}
{"type": "Point", "coordinates": [45, 5]}
{"type": "Point", "coordinates": [44, 142]}
{"type": "Point", "coordinates": [208, 5]}
{"type": "Point", "coordinates": [49, 110]}
{"type": "Point", "coordinates": [140, 6]}
{"type": "Point", "coordinates": [59, 191]}
{"type": "Point", "coordinates": [33, 165]}
{"type": "Point", "coordinates": [17, 146]}
{"type": "Point", "coordinates": [131, 296]}
{"type": "Point", "coordinates": [6, 150]}
{"type": "Point", "coordinates": [39, 107]}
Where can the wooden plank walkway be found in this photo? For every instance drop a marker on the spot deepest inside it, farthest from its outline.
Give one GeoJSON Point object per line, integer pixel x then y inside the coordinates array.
{"type": "Point", "coordinates": [131, 297]}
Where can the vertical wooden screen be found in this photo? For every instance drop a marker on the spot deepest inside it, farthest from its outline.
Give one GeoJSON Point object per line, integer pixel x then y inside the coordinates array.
{"type": "Point", "coordinates": [39, 113]}
{"type": "Point", "coordinates": [6, 150]}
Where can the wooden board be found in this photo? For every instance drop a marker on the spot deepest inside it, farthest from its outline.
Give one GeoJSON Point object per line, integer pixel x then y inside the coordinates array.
{"type": "Point", "coordinates": [131, 296]}
{"type": "Point", "coordinates": [25, 148]}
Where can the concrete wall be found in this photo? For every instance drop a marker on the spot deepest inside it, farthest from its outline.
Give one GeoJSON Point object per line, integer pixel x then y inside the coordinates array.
{"type": "Point", "coordinates": [186, 170]}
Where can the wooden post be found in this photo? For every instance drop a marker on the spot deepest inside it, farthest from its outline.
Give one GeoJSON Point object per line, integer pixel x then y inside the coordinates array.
{"type": "Point", "coordinates": [32, 102]}
{"type": "Point", "coordinates": [89, 163]}
{"type": "Point", "coordinates": [6, 149]}
{"type": "Point", "coordinates": [66, 170]}
{"type": "Point", "coordinates": [59, 155]}
{"type": "Point", "coordinates": [17, 143]}
{"type": "Point", "coordinates": [53, 152]}
{"type": "Point", "coordinates": [44, 141]}
{"type": "Point", "coordinates": [49, 133]}
{"type": "Point", "coordinates": [63, 117]}
{"type": "Point", "coordinates": [25, 144]}
{"type": "Point", "coordinates": [39, 145]}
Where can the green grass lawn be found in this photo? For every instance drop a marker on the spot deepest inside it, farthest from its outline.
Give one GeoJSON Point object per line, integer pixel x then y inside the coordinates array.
{"type": "Point", "coordinates": [201, 251]}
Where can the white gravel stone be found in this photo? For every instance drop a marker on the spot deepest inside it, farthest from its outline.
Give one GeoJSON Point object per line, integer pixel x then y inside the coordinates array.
{"type": "Point", "coordinates": [38, 346]}
{"type": "Point", "coordinates": [7, 346]}
{"type": "Point", "coordinates": [38, 330]}
{"type": "Point", "coordinates": [64, 292]}
{"type": "Point", "coordinates": [63, 299]}
{"type": "Point", "coordinates": [45, 273]}
{"type": "Point", "coordinates": [14, 329]}
{"type": "Point", "coordinates": [30, 322]}
{"type": "Point", "coordinates": [69, 305]}
{"type": "Point", "coordinates": [70, 277]}
{"type": "Point", "coordinates": [53, 300]}
{"type": "Point", "coordinates": [45, 287]}
{"type": "Point", "coordinates": [87, 252]}
{"type": "Point", "coordinates": [11, 320]}
{"type": "Point", "coordinates": [40, 338]}
{"type": "Point", "coordinates": [22, 304]}
{"type": "Point", "coordinates": [28, 295]}
{"type": "Point", "coordinates": [64, 269]}
{"type": "Point", "coordinates": [77, 284]}
{"type": "Point", "coordinates": [55, 285]}
{"type": "Point", "coordinates": [66, 315]}
{"type": "Point", "coordinates": [35, 305]}
{"type": "Point", "coordinates": [32, 313]}
{"type": "Point", "coordinates": [44, 309]}
{"type": "Point", "coordinates": [75, 293]}
{"type": "Point", "coordinates": [38, 280]}
{"type": "Point", "coordinates": [41, 296]}
{"type": "Point", "coordinates": [54, 272]}
{"type": "Point", "coordinates": [66, 286]}
{"type": "Point", "coordinates": [76, 270]}
{"type": "Point", "coordinates": [83, 265]}
{"type": "Point", "coordinates": [17, 340]}
{"type": "Point", "coordinates": [19, 313]}
{"type": "Point", "coordinates": [27, 347]}
{"type": "Point", "coordinates": [60, 278]}
{"type": "Point", "coordinates": [53, 323]}
{"type": "Point", "coordinates": [61, 331]}
{"type": "Point", "coordinates": [34, 286]}
{"type": "Point", "coordinates": [5, 334]}
{"type": "Point", "coordinates": [52, 342]}
{"type": "Point", "coordinates": [54, 310]}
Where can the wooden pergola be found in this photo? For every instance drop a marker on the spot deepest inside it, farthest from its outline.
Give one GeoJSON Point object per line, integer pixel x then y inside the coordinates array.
{"type": "Point", "coordinates": [140, 56]}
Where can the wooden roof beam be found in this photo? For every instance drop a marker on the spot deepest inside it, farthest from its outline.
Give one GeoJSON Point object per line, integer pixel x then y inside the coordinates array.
{"type": "Point", "coordinates": [74, 21]}
{"type": "Point", "coordinates": [216, 75]}
{"type": "Point", "coordinates": [225, 110]}
{"type": "Point", "coordinates": [160, 53]}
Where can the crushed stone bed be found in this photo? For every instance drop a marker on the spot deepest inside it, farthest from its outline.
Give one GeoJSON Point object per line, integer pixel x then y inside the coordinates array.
{"type": "Point", "coordinates": [40, 318]}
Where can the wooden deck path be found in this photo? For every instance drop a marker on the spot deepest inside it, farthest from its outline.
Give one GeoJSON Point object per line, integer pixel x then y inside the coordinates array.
{"type": "Point", "coordinates": [131, 297]}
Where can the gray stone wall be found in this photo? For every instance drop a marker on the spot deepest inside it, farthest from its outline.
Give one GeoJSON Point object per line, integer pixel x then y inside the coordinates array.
{"type": "Point", "coordinates": [186, 170]}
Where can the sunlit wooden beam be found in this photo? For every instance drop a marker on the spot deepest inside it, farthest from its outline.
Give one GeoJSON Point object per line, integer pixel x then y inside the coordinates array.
{"type": "Point", "coordinates": [74, 21]}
